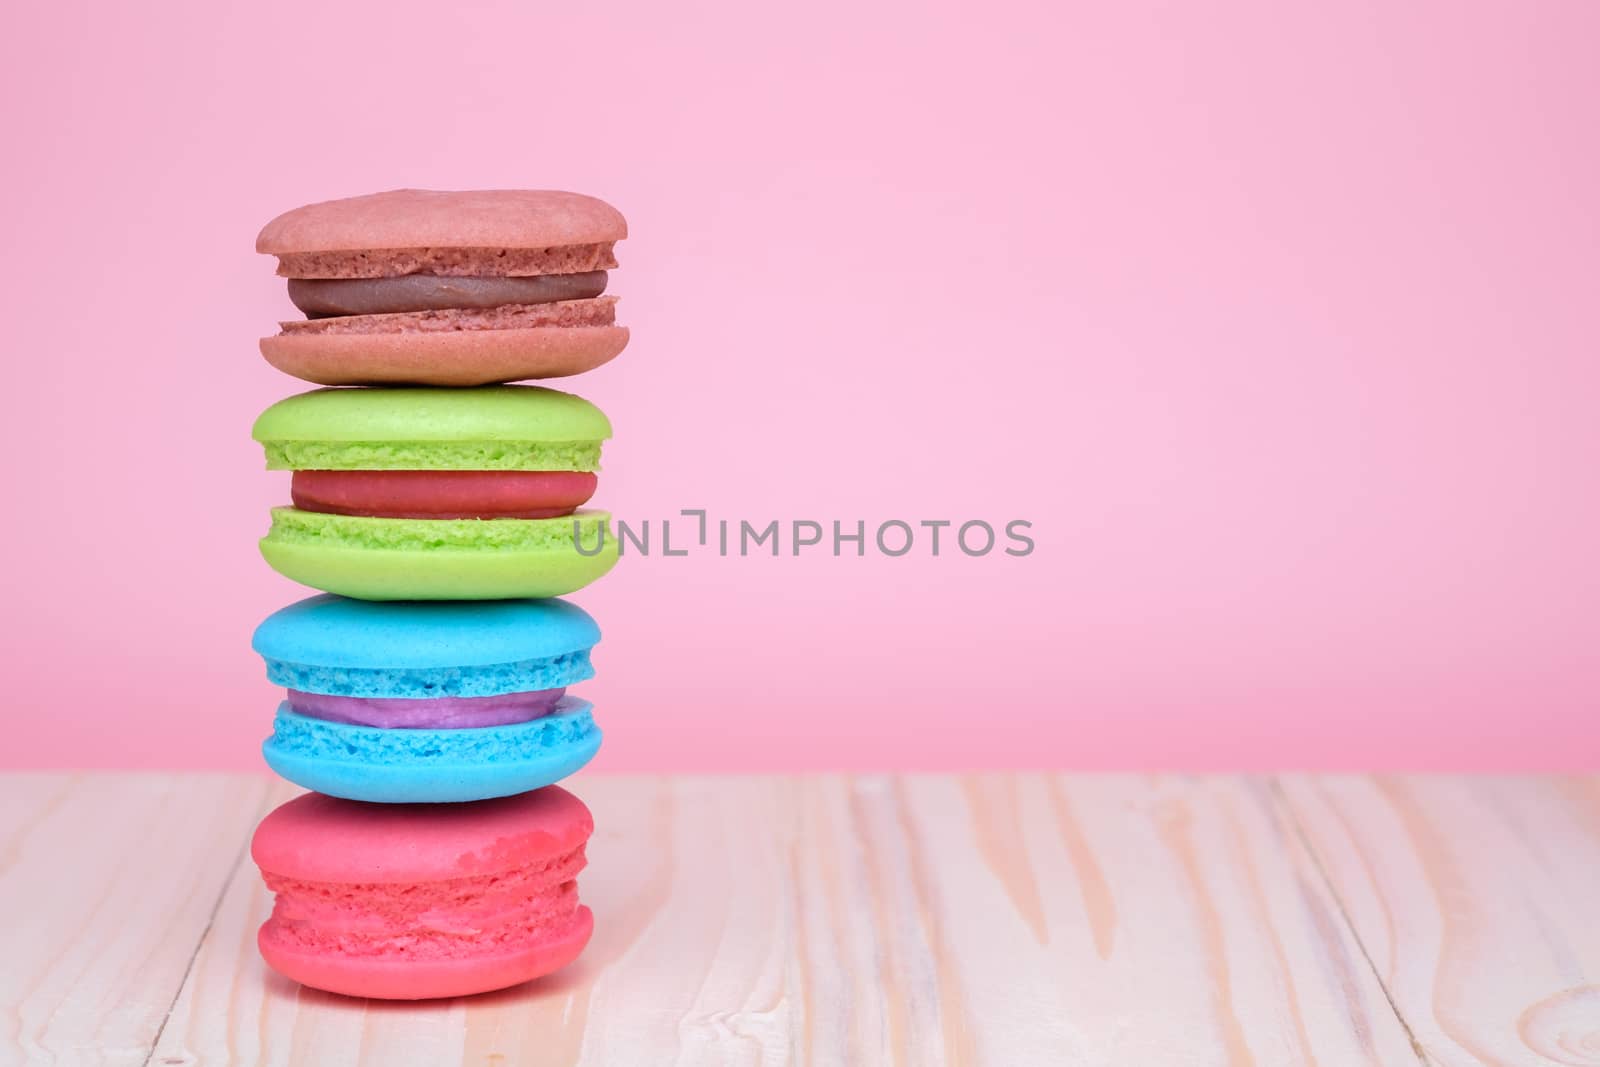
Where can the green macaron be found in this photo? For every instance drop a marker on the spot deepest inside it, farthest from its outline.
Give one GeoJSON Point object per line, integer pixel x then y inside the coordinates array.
{"type": "Point", "coordinates": [438, 493]}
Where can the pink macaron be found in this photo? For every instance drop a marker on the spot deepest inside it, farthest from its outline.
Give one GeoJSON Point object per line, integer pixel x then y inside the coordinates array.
{"type": "Point", "coordinates": [423, 287]}
{"type": "Point", "coordinates": [412, 901]}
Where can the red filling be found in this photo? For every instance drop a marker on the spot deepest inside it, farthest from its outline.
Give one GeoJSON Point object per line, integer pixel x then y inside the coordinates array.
{"type": "Point", "coordinates": [443, 494]}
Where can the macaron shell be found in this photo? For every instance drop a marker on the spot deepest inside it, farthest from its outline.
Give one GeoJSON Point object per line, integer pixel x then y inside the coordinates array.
{"type": "Point", "coordinates": [389, 978]}
{"type": "Point", "coordinates": [328, 631]}
{"type": "Point", "coordinates": [456, 358]}
{"type": "Point", "coordinates": [404, 766]}
{"type": "Point", "coordinates": [424, 218]}
{"type": "Point", "coordinates": [485, 570]}
{"type": "Point", "coordinates": [319, 838]}
{"type": "Point", "coordinates": [500, 413]}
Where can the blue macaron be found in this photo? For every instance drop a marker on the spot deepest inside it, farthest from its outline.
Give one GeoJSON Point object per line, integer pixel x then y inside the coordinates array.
{"type": "Point", "coordinates": [429, 701]}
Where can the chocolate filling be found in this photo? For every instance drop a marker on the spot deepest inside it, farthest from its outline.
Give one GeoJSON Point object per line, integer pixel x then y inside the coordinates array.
{"type": "Point", "coordinates": [326, 297]}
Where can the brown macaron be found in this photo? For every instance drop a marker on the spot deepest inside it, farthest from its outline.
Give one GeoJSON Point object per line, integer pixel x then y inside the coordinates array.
{"type": "Point", "coordinates": [446, 288]}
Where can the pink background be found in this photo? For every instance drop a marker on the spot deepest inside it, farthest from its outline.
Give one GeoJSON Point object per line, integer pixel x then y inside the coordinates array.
{"type": "Point", "coordinates": [1278, 322]}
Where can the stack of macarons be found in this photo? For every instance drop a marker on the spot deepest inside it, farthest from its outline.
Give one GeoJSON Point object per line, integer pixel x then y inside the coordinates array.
{"type": "Point", "coordinates": [439, 510]}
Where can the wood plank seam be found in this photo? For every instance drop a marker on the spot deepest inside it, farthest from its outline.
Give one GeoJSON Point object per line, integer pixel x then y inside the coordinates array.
{"type": "Point", "coordinates": [1281, 799]}
{"type": "Point", "coordinates": [205, 932]}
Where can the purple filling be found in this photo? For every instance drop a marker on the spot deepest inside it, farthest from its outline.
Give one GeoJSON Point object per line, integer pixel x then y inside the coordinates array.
{"type": "Point", "coordinates": [433, 713]}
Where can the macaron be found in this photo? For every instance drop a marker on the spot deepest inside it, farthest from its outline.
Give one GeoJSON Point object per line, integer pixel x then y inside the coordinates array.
{"type": "Point", "coordinates": [438, 494]}
{"type": "Point", "coordinates": [413, 901]}
{"type": "Point", "coordinates": [428, 701]}
{"type": "Point", "coordinates": [423, 287]}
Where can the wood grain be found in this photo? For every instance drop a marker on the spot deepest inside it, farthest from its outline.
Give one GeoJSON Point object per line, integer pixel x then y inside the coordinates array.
{"type": "Point", "coordinates": [1178, 921]}
{"type": "Point", "coordinates": [1478, 901]}
{"type": "Point", "coordinates": [107, 884]}
{"type": "Point", "coordinates": [993, 919]}
{"type": "Point", "coordinates": [1006, 920]}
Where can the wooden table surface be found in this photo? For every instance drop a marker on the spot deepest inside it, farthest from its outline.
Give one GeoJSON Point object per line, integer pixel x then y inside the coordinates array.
{"type": "Point", "coordinates": [1014, 920]}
